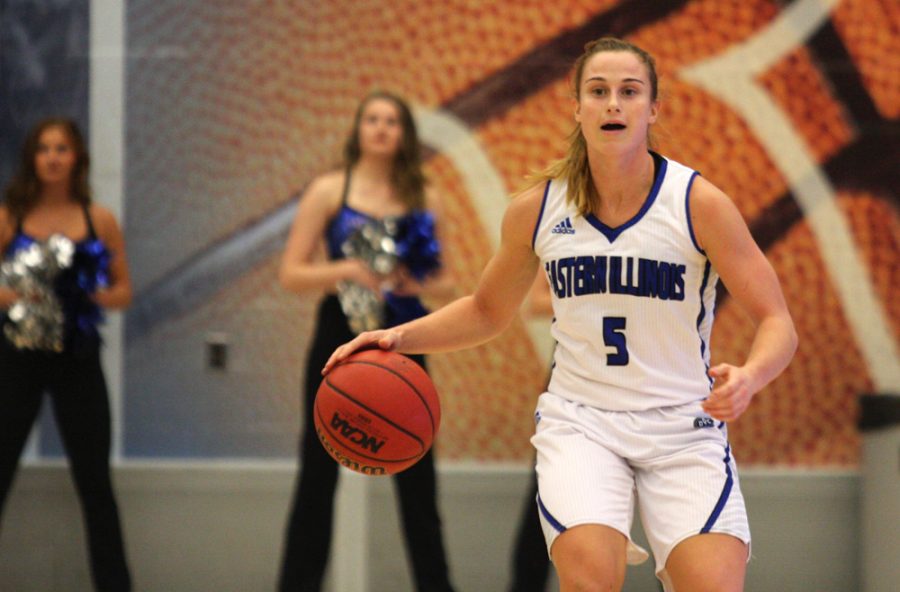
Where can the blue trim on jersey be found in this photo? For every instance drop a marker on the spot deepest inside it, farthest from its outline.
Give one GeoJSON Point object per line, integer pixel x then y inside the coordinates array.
{"type": "Point", "coordinates": [706, 269]}
{"type": "Point", "coordinates": [723, 498]}
{"type": "Point", "coordinates": [687, 208]}
{"type": "Point", "coordinates": [540, 215]}
{"type": "Point", "coordinates": [549, 517]}
{"type": "Point", "coordinates": [613, 233]}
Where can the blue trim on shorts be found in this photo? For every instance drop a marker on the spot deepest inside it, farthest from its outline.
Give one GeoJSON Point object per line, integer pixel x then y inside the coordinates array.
{"type": "Point", "coordinates": [723, 498]}
{"type": "Point", "coordinates": [549, 517]}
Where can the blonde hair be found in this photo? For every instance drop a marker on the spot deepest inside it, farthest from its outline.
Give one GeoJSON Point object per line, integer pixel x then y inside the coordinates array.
{"type": "Point", "coordinates": [574, 166]}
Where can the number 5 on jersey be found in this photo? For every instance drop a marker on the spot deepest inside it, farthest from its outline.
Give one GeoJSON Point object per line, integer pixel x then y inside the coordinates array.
{"type": "Point", "coordinates": [614, 336]}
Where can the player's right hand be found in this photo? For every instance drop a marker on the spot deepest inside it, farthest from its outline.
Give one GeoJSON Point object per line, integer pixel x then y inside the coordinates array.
{"type": "Point", "coordinates": [384, 339]}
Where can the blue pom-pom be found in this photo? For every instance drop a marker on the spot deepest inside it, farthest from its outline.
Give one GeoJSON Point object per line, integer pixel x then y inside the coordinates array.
{"type": "Point", "coordinates": [417, 245]}
{"type": "Point", "coordinates": [74, 285]}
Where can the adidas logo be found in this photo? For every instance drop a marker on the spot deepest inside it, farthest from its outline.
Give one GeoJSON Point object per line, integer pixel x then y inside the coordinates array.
{"type": "Point", "coordinates": [564, 227]}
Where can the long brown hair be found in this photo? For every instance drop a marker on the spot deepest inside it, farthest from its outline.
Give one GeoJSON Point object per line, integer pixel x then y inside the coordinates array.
{"type": "Point", "coordinates": [407, 175]}
{"type": "Point", "coordinates": [574, 166]}
{"type": "Point", "coordinates": [24, 190]}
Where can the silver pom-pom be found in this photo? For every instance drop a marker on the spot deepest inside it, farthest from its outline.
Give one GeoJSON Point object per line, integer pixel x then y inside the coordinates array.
{"type": "Point", "coordinates": [36, 320]}
{"type": "Point", "coordinates": [373, 243]}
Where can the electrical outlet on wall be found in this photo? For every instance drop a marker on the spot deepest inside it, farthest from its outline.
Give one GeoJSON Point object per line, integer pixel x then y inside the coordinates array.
{"type": "Point", "coordinates": [217, 351]}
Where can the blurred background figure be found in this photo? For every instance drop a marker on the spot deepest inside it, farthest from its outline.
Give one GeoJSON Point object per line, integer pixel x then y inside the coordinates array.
{"type": "Point", "coordinates": [381, 183]}
{"type": "Point", "coordinates": [530, 567]}
{"type": "Point", "coordinates": [63, 263]}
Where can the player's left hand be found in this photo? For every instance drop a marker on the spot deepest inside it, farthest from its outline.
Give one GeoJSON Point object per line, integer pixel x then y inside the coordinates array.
{"type": "Point", "coordinates": [732, 393]}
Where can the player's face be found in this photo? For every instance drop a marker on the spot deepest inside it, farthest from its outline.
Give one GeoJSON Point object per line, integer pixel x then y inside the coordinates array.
{"type": "Point", "coordinates": [380, 128]}
{"type": "Point", "coordinates": [55, 158]}
{"type": "Point", "coordinates": [615, 106]}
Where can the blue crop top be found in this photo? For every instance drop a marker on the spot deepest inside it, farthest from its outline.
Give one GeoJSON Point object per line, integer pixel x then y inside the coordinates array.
{"type": "Point", "coordinates": [398, 309]}
{"type": "Point", "coordinates": [74, 285]}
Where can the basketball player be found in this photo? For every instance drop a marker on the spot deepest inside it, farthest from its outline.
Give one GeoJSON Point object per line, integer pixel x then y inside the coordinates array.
{"type": "Point", "coordinates": [382, 177]}
{"type": "Point", "coordinates": [633, 245]}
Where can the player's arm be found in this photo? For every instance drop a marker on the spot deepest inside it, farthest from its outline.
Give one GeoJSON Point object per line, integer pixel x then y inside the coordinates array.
{"type": "Point", "coordinates": [722, 233]}
{"type": "Point", "coordinates": [299, 270]}
{"type": "Point", "coordinates": [476, 318]}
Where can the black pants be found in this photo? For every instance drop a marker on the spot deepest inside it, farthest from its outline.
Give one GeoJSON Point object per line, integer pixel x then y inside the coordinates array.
{"type": "Point", "coordinates": [530, 562]}
{"type": "Point", "coordinates": [77, 389]}
{"type": "Point", "coordinates": [308, 535]}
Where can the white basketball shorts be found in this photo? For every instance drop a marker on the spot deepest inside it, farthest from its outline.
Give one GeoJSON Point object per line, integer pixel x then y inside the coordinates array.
{"type": "Point", "coordinates": [674, 462]}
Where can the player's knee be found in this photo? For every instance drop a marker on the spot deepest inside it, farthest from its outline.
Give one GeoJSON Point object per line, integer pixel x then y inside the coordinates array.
{"type": "Point", "coordinates": [709, 563]}
{"type": "Point", "coordinates": [723, 577]}
{"type": "Point", "coordinates": [589, 570]}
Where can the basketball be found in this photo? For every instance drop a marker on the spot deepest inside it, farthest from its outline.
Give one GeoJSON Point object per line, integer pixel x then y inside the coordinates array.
{"type": "Point", "coordinates": [377, 412]}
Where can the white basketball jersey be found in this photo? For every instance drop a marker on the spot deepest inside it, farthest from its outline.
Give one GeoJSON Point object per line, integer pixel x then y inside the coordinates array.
{"type": "Point", "coordinates": [633, 305]}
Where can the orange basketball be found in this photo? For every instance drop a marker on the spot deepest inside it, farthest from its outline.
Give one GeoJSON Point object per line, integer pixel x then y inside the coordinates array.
{"type": "Point", "coordinates": [377, 412]}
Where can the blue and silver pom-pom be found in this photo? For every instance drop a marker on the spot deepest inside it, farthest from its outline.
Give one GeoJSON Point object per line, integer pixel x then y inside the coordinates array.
{"type": "Point", "coordinates": [383, 245]}
{"type": "Point", "coordinates": [54, 279]}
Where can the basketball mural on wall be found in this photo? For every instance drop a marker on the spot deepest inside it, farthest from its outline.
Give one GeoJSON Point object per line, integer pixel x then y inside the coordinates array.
{"type": "Point", "coordinates": [791, 108]}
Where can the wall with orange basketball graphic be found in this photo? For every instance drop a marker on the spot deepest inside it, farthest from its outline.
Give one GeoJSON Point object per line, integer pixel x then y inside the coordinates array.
{"type": "Point", "coordinates": [232, 108]}
{"type": "Point", "coordinates": [214, 116]}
